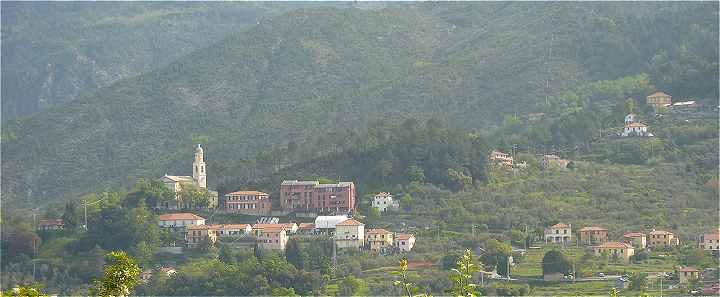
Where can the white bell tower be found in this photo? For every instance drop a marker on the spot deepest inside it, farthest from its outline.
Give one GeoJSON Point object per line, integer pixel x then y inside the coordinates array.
{"type": "Point", "coordinates": [199, 173]}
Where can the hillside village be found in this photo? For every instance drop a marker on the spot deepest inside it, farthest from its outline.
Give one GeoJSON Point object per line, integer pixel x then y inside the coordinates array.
{"type": "Point", "coordinates": [332, 207]}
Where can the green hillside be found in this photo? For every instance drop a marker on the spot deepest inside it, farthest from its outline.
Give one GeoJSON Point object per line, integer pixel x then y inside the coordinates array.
{"type": "Point", "coordinates": [56, 52]}
{"type": "Point", "coordinates": [312, 74]}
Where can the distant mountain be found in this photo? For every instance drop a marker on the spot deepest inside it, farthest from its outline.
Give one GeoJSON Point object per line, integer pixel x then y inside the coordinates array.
{"type": "Point", "coordinates": [53, 52]}
{"type": "Point", "coordinates": [316, 71]}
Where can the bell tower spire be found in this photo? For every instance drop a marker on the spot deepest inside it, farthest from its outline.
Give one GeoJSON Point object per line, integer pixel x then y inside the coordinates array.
{"type": "Point", "coordinates": [199, 173]}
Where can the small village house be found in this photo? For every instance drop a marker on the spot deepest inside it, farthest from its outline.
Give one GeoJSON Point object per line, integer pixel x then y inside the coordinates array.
{"type": "Point", "coordinates": [384, 201]}
{"type": "Point", "coordinates": [312, 196]}
{"type": "Point", "coordinates": [379, 239]}
{"type": "Point", "coordinates": [593, 235]}
{"type": "Point", "coordinates": [197, 234]}
{"type": "Point", "coordinates": [535, 116]}
{"type": "Point", "coordinates": [658, 99]}
{"type": "Point", "coordinates": [326, 224]}
{"type": "Point", "coordinates": [306, 228]}
{"type": "Point", "coordinates": [558, 233]}
{"type": "Point", "coordinates": [233, 230]}
{"type": "Point", "coordinates": [637, 239]}
{"type": "Point", "coordinates": [686, 274]}
{"type": "Point", "coordinates": [662, 238]}
{"type": "Point", "coordinates": [248, 202]}
{"type": "Point", "coordinates": [180, 220]}
{"type": "Point", "coordinates": [620, 250]}
{"type": "Point", "coordinates": [290, 228]}
{"type": "Point", "coordinates": [350, 234]}
{"type": "Point", "coordinates": [553, 161]}
{"type": "Point", "coordinates": [500, 158]}
{"type": "Point", "coordinates": [51, 224]}
{"type": "Point", "coordinates": [710, 241]}
{"type": "Point", "coordinates": [636, 129]}
{"type": "Point", "coordinates": [273, 237]}
{"type": "Point", "coordinates": [404, 242]}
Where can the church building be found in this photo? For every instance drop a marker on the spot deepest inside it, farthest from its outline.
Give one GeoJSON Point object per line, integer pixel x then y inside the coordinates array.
{"type": "Point", "coordinates": [198, 179]}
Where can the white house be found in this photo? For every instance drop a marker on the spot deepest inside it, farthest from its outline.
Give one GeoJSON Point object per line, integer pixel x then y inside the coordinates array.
{"type": "Point", "coordinates": [384, 201]}
{"type": "Point", "coordinates": [180, 220]}
{"type": "Point", "coordinates": [636, 129]}
{"type": "Point", "coordinates": [404, 242]}
{"type": "Point", "coordinates": [234, 230]}
{"type": "Point", "coordinates": [558, 233]}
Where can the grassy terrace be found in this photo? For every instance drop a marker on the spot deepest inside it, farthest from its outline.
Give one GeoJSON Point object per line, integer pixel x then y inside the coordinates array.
{"type": "Point", "coordinates": [531, 267]}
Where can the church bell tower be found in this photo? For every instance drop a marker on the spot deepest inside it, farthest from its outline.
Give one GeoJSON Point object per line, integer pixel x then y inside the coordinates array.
{"type": "Point", "coordinates": [199, 173]}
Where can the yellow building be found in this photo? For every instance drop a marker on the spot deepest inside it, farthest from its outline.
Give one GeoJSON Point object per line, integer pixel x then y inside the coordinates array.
{"type": "Point", "coordinates": [379, 239]}
{"type": "Point", "coordinates": [659, 99]}
{"type": "Point", "coordinates": [662, 238]}
{"type": "Point", "coordinates": [196, 234]}
{"type": "Point", "coordinates": [618, 249]}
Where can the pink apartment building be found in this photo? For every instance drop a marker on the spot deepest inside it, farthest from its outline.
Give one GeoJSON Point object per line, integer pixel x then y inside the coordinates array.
{"type": "Point", "coordinates": [312, 196]}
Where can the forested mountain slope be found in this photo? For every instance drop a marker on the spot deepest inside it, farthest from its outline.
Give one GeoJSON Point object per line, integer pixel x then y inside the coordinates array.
{"type": "Point", "coordinates": [314, 72]}
{"type": "Point", "coordinates": [55, 52]}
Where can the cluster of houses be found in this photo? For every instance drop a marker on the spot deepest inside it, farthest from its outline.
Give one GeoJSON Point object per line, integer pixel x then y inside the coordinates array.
{"type": "Point", "coordinates": [346, 232]}
{"type": "Point", "coordinates": [546, 161]}
{"type": "Point", "coordinates": [597, 238]}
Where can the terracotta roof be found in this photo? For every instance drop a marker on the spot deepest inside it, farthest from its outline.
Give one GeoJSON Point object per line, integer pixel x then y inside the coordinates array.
{"type": "Point", "coordinates": [274, 229]}
{"type": "Point", "coordinates": [658, 93]}
{"type": "Point", "coordinates": [233, 226]}
{"type": "Point", "coordinates": [180, 216]}
{"type": "Point", "coordinates": [403, 236]}
{"type": "Point", "coordinates": [688, 269]}
{"type": "Point", "coordinates": [306, 226]}
{"type": "Point", "coordinates": [632, 125]}
{"type": "Point", "coordinates": [248, 193]}
{"type": "Point", "coordinates": [265, 226]}
{"type": "Point", "coordinates": [660, 232]}
{"type": "Point", "coordinates": [560, 225]}
{"type": "Point", "coordinates": [712, 236]}
{"type": "Point", "coordinates": [350, 222]}
{"type": "Point", "coordinates": [51, 222]}
{"type": "Point", "coordinates": [378, 231]}
{"type": "Point", "coordinates": [634, 234]}
{"type": "Point", "coordinates": [593, 228]}
{"type": "Point", "coordinates": [615, 245]}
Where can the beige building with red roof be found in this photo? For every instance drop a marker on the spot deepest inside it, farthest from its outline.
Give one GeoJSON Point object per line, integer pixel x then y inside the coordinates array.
{"type": "Point", "coordinates": [500, 158]}
{"type": "Point", "coordinates": [662, 238]}
{"type": "Point", "coordinates": [620, 250]}
{"type": "Point", "coordinates": [658, 99]}
{"type": "Point", "coordinates": [197, 234]}
{"type": "Point", "coordinates": [686, 274]}
{"type": "Point", "coordinates": [710, 241]}
{"type": "Point", "coordinates": [593, 235]}
{"type": "Point", "coordinates": [248, 202]}
{"type": "Point", "coordinates": [291, 228]}
{"type": "Point", "coordinates": [559, 233]}
{"type": "Point", "coordinates": [306, 228]}
{"type": "Point", "coordinates": [180, 220]}
{"type": "Point", "coordinates": [379, 239]}
{"type": "Point", "coordinates": [404, 242]}
{"type": "Point", "coordinates": [637, 239]}
{"type": "Point", "coordinates": [350, 234]}
{"type": "Point", "coordinates": [273, 237]}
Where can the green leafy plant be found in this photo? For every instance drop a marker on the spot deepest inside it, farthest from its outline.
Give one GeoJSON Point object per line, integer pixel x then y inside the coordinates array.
{"type": "Point", "coordinates": [121, 276]}
{"type": "Point", "coordinates": [462, 276]}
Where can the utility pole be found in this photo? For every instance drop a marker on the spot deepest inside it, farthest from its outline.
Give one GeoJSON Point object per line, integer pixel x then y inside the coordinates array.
{"type": "Point", "coordinates": [85, 205]}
